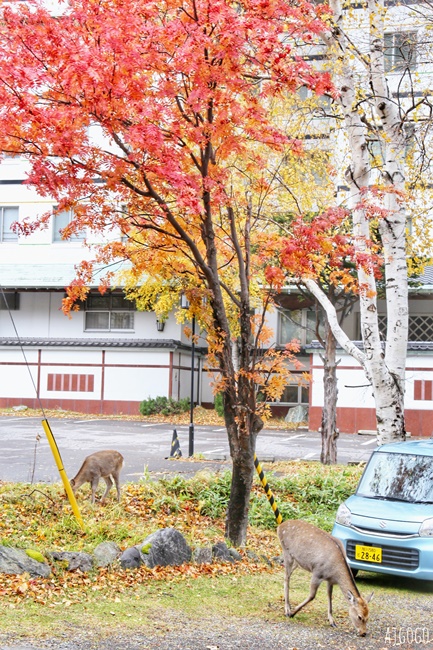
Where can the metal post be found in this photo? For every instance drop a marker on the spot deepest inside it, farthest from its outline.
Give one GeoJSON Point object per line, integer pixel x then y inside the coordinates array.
{"type": "Point", "coordinates": [191, 412]}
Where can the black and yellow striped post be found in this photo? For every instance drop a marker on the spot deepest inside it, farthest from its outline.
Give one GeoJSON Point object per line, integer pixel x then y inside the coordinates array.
{"type": "Point", "coordinates": [175, 451]}
{"type": "Point", "coordinates": [267, 490]}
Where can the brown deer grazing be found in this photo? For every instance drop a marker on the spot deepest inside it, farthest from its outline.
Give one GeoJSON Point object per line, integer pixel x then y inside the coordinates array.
{"type": "Point", "coordinates": [314, 550]}
{"type": "Point", "coordinates": [102, 464]}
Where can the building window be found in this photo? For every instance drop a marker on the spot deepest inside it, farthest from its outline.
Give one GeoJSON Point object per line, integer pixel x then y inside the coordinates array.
{"type": "Point", "coordinates": [420, 327]}
{"type": "Point", "coordinates": [108, 313]}
{"type": "Point", "coordinates": [9, 300]}
{"type": "Point", "coordinates": [295, 393]}
{"type": "Point", "coordinates": [399, 51]}
{"type": "Point", "coordinates": [300, 324]}
{"type": "Point", "coordinates": [7, 217]}
{"type": "Point", "coordinates": [60, 222]}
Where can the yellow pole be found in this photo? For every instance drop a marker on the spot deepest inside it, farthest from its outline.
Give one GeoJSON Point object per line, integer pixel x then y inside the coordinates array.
{"type": "Point", "coordinates": [59, 463]}
{"type": "Point", "coordinates": [267, 490]}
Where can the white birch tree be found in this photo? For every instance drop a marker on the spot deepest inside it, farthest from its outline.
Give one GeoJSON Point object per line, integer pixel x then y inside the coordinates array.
{"type": "Point", "coordinates": [368, 106]}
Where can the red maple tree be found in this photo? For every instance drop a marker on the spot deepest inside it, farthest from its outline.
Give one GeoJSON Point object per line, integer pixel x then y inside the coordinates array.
{"type": "Point", "coordinates": [151, 118]}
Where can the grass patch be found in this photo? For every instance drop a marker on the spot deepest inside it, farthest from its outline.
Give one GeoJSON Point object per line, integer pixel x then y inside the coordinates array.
{"type": "Point", "coordinates": [39, 517]}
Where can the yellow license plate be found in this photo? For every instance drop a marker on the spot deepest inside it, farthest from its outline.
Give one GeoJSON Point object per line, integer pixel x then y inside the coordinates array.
{"type": "Point", "coordinates": [368, 553]}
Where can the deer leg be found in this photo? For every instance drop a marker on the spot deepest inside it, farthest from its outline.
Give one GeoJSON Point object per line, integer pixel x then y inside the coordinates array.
{"type": "Point", "coordinates": [288, 570]}
{"type": "Point", "coordinates": [330, 617]}
{"type": "Point", "coordinates": [94, 484]}
{"type": "Point", "coordinates": [314, 585]}
{"type": "Point", "coordinates": [109, 483]}
{"type": "Point", "coordinates": [117, 482]}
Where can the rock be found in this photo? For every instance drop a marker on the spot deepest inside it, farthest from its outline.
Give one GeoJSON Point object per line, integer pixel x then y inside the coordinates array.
{"type": "Point", "coordinates": [202, 555]}
{"type": "Point", "coordinates": [15, 561]}
{"type": "Point", "coordinates": [165, 547]}
{"type": "Point", "coordinates": [235, 555]}
{"type": "Point", "coordinates": [221, 552]}
{"type": "Point", "coordinates": [259, 558]}
{"type": "Point", "coordinates": [131, 558]}
{"type": "Point", "coordinates": [297, 415]}
{"type": "Point", "coordinates": [21, 407]}
{"type": "Point", "coordinates": [77, 561]}
{"type": "Point", "coordinates": [252, 555]}
{"type": "Point", "coordinates": [105, 553]}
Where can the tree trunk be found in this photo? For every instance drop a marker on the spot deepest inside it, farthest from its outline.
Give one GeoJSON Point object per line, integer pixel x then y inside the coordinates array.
{"type": "Point", "coordinates": [389, 407]}
{"type": "Point", "coordinates": [242, 480]}
{"type": "Point", "coordinates": [242, 429]}
{"type": "Point", "coordinates": [329, 433]}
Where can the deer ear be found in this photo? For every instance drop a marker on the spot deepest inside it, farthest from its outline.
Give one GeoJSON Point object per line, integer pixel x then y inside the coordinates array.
{"type": "Point", "coordinates": [370, 597]}
{"type": "Point", "coordinates": [350, 597]}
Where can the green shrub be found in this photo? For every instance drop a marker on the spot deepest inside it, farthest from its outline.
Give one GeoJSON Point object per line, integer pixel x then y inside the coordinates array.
{"type": "Point", "coordinates": [164, 405]}
{"type": "Point", "coordinates": [211, 491]}
{"type": "Point", "coordinates": [147, 407]}
{"type": "Point", "coordinates": [312, 492]}
{"type": "Point", "coordinates": [219, 404]}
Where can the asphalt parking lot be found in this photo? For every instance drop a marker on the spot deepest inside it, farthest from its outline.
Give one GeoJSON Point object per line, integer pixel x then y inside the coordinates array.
{"type": "Point", "coordinates": [146, 447]}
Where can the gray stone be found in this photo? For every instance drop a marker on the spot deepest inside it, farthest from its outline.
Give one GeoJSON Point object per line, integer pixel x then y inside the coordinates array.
{"type": "Point", "coordinates": [131, 558]}
{"type": "Point", "coordinates": [202, 555]}
{"type": "Point", "coordinates": [77, 561]}
{"type": "Point", "coordinates": [252, 555]}
{"type": "Point", "coordinates": [221, 552]}
{"type": "Point", "coordinates": [165, 547]}
{"type": "Point", "coordinates": [261, 558]}
{"type": "Point", "coordinates": [15, 561]}
{"type": "Point", "coordinates": [297, 414]}
{"type": "Point", "coordinates": [105, 553]}
{"type": "Point", "coordinates": [235, 555]}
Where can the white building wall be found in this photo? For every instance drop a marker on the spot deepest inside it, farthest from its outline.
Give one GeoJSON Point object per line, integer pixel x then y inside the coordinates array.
{"type": "Point", "coordinates": [355, 406]}
{"type": "Point", "coordinates": [353, 387]}
{"type": "Point", "coordinates": [15, 376]}
{"type": "Point", "coordinates": [132, 383]}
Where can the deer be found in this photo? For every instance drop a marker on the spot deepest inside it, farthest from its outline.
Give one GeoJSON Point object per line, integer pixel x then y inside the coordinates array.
{"type": "Point", "coordinates": [102, 464]}
{"type": "Point", "coordinates": [306, 546]}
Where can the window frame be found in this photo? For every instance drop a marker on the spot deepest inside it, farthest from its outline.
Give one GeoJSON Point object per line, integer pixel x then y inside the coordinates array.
{"type": "Point", "coordinates": [56, 234]}
{"type": "Point", "coordinates": [9, 300]}
{"type": "Point", "coordinates": [301, 387]}
{"type": "Point", "coordinates": [411, 326]}
{"type": "Point", "coordinates": [303, 326]}
{"type": "Point", "coordinates": [395, 61]}
{"type": "Point", "coordinates": [13, 239]}
{"type": "Point", "coordinates": [126, 307]}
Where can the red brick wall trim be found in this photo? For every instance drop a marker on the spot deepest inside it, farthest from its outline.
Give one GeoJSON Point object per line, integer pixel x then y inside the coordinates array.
{"type": "Point", "coordinates": [422, 390]}
{"type": "Point", "coordinates": [71, 383]}
{"type": "Point", "coordinates": [351, 420]}
{"type": "Point", "coordinates": [92, 407]}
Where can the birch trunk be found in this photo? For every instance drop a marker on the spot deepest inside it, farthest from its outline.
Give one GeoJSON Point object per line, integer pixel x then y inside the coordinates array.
{"type": "Point", "coordinates": [384, 365]}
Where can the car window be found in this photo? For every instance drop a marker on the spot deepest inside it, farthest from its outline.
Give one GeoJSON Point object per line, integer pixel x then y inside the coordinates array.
{"type": "Point", "coordinates": [399, 477]}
